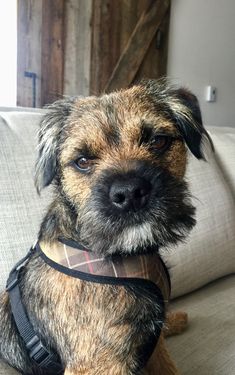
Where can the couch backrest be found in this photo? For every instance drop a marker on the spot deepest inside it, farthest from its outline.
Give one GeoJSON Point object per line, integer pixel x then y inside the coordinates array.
{"type": "Point", "coordinates": [21, 207]}
{"type": "Point", "coordinates": [209, 251]}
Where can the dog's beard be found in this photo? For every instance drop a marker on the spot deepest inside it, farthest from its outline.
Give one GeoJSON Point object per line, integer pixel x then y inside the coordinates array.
{"type": "Point", "coordinates": [167, 219]}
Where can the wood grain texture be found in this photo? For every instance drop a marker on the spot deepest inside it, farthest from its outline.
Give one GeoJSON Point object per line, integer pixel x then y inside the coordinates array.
{"type": "Point", "coordinates": [82, 47]}
{"type": "Point", "coordinates": [105, 45]}
{"type": "Point", "coordinates": [28, 51]}
{"type": "Point", "coordinates": [77, 47]}
{"type": "Point", "coordinates": [131, 11]}
{"type": "Point", "coordinates": [154, 63]}
{"type": "Point", "coordinates": [138, 44]}
{"type": "Point", "coordinates": [113, 22]}
{"type": "Point", "coordinates": [52, 50]}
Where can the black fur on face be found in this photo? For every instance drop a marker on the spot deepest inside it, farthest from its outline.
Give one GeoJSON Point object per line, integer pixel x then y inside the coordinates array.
{"type": "Point", "coordinates": [166, 218]}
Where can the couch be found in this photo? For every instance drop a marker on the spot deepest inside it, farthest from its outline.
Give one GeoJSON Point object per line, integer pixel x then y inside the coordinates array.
{"type": "Point", "coordinates": [202, 269]}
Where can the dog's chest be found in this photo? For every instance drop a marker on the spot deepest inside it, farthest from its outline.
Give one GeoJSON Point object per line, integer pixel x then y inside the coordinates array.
{"type": "Point", "coordinates": [86, 320]}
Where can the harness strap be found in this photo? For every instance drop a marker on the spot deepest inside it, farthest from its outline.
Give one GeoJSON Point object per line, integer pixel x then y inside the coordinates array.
{"type": "Point", "coordinates": [138, 277]}
{"type": "Point", "coordinates": [44, 358]}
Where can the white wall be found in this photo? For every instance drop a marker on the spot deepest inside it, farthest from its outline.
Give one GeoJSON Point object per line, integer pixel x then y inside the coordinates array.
{"type": "Point", "coordinates": [8, 49]}
{"type": "Point", "coordinates": [202, 52]}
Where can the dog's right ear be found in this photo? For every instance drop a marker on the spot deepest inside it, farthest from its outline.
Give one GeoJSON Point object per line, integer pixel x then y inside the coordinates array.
{"type": "Point", "coordinates": [50, 130]}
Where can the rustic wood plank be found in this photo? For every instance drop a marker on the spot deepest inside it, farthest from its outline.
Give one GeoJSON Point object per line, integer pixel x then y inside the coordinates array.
{"type": "Point", "coordinates": [52, 50]}
{"type": "Point", "coordinates": [113, 22]}
{"type": "Point", "coordinates": [29, 22]}
{"type": "Point", "coordinates": [139, 42]}
{"type": "Point", "coordinates": [131, 11]}
{"type": "Point", "coordinates": [105, 47]}
{"type": "Point", "coordinates": [77, 47]}
{"type": "Point", "coordinates": [154, 64]}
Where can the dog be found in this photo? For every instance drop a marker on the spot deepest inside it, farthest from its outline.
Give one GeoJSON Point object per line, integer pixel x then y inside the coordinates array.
{"type": "Point", "coordinates": [117, 164]}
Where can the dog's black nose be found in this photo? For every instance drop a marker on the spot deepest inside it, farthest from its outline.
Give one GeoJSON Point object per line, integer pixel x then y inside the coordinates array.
{"type": "Point", "coordinates": [131, 194]}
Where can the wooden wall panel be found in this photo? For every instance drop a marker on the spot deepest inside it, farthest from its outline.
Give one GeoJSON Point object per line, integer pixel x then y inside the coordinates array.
{"type": "Point", "coordinates": [113, 21]}
{"type": "Point", "coordinates": [82, 47]}
{"type": "Point", "coordinates": [29, 51]}
{"type": "Point", "coordinates": [123, 46]}
{"type": "Point", "coordinates": [77, 47]}
{"type": "Point", "coordinates": [131, 12]}
{"type": "Point", "coordinates": [137, 46]}
{"type": "Point", "coordinates": [155, 62]}
{"type": "Point", "coordinates": [53, 14]}
{"type": "Point", "coordinates": [105, 46]}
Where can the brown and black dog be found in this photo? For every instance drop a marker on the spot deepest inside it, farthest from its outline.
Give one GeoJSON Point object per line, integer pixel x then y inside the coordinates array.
{"type": "Point", "coordinates": [117, 163]}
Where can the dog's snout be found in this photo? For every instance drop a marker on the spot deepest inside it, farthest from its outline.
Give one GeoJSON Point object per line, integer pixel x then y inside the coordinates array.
{"type": "Point", "coordinates": [132, 194]}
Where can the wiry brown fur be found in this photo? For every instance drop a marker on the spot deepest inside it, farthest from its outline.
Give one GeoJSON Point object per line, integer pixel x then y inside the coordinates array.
{"type": "Point", "coordinates": [95, 120]}
{"type": "Point", "coordinates": [98, 329]}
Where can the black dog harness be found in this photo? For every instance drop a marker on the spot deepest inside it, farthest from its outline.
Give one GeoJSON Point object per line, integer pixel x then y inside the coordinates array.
{"type": "Point", "coordinates": [40, 355]}
{"type": "Point", "coordinates": [145, 271]}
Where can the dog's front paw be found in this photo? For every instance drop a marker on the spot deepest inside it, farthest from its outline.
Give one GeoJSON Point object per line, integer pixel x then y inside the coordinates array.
{"type": "Point", "coordinates": [176, 323]}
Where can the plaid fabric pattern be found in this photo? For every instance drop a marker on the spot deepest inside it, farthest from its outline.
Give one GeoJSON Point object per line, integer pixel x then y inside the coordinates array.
{"type": "Point", "coordinates": [147, 266]}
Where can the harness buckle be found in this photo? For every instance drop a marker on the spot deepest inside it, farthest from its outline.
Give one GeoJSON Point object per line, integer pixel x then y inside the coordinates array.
{"type": "Point", "coordinates": [43, 358]}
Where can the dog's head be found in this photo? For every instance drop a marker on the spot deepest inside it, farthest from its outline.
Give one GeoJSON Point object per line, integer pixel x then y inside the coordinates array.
{"type": "Point", "coordinates": [118, 163]}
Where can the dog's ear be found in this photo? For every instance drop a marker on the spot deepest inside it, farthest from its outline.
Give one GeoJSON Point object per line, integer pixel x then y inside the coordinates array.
{"type": "Point", "coordinates": [50, 130]}
{"type": "Point", "coordinates": [188, 119]}
{"type": "Point", "coordinates": [183, 109]}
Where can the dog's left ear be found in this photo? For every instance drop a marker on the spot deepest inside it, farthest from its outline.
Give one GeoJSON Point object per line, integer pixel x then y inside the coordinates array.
{"type": "Point", "coordinates": [50, 131]}
{"type": "Point", "coordinates": [183, 109]}
{"type": "Point", "coordinates": [188, 119]}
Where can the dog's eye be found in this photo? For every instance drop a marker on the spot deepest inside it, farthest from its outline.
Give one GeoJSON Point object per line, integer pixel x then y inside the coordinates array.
{"type": "Point", "coordinates": [83, 164]}
{"type": "Point", "coordinates": [160, 142]}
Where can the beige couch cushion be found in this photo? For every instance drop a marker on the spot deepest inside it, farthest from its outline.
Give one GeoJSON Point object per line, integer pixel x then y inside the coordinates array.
{"type": "Point", "coordinates": [7, 370]}
{"type": "Point", "coordinates": [208, 345]}
{"type": "Point", "coordinates": [209, 252]}
{"type": "Point", "coordinates": [224, 140]}
{"type": "Point", "coordinates": [21, 208]}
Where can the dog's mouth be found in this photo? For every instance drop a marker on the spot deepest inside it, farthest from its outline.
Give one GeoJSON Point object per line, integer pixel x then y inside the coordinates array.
{"type": "Point", "coordinates": [127, 215]}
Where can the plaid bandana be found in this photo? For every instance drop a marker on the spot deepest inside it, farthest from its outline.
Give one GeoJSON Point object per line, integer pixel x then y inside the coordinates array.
{"type": "Point", "coordinates": [83, 262]}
